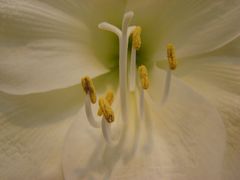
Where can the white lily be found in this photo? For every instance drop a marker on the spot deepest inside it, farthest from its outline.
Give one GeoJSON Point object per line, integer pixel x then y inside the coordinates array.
{"type": "Point", "coordinates": [47, 46]}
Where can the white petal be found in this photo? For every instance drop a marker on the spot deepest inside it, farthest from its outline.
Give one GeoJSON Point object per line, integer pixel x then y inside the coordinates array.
{"type": "Point", "coordinates": [43, 48]}
{"type": "Point", "coordinates": [32, 132]}
{"type": "Point", "coordinates": [217, 77]}
{"type": "Point", "coordinates": [187, 109]}
{"type": "Point", "coordinates": [220, 68]}
{"type": "Point", "coordinates": [185, 140]}
{"type": "Point", "coordinates": [22, 21]}
{"type": "Point", "coordinates": [193, 26]}
{"type": "Point", "coordinates": [45, 65]}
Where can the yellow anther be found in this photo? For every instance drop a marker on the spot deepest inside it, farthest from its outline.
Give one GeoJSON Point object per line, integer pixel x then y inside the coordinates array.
{"type": "Point", "coordinates": [136, 38]}
{"type": "Point", "coordinates": [106, 109]}
{"type": "Point", "coordinates": [109, 98]}
{"type": "Point", "coordinates": [143, 73]}
{"type": "Point", "coordinates": [171, 56]}
{"type": "Point", "coordinates": [89, 88]}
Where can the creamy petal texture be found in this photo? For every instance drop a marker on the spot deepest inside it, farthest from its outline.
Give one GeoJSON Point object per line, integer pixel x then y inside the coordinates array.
{"type": "Point", "coordinates": [193, 26]}
{"type": "Point", "coordinates": [217, 76]}
{"type": "Point", "coordinates": [33, 129]}
{"type": "Point", "coordinates": [184, 139]}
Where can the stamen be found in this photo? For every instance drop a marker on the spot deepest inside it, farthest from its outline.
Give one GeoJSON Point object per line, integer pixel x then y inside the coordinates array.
{"type": "Point", "coordinates": [106, 110]}
{"type": "Point", "coordinates": [141, 106]}
{"type": "Point", "coordinates": [132, 74]}
{"type": "Point", "coordinates": [167, 86]}
{"type": "Point", "coordinates": [109, 98]}
{"type": "Point", "coordinates": [89, 88]}
{"type": "Point", "coordinates": [172, 66]}
{"type": "Point", "coordinates": [171, 56]}
{"type": "Point", "coordinates": [89, 113]}
{"type": "Point", "coordinates": [143, 74]}
{"type": "Point", "coordinates": [106, 130]}
{"type": "Point", "coordinates": [136, 44]}
{"type": "Point", "coordinates": [136, 37]}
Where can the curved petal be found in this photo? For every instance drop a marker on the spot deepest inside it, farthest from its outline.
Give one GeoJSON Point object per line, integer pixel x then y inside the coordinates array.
{"type": "Point", "coordinates": [44, 47]}
{"type": "Point", "coordinates": [33, 128]}
{"type": "Point", "coordinates": [220, 68]}
{"type": "Point", "coordinates": [195, 27]}
{"type": "Point", "coordinates": [217, 77]}
{"type": "Point", "coordinates": [45, 65]}
{"type": "Point", "coordinates": [184, 140]}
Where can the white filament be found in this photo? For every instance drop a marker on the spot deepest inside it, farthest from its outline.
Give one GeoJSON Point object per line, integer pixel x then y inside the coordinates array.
{"type": "Point", "coordinates": [106, 130]}
{"type": "Point", "coordinates": [141, 106]}
{"type": "Point", "coordinates": [167, 86]}
{"type": "Point", "coordinates": [130, 30]}
{"type": "Point", "coordinates": [132, 74]}
{"type": "Point", "coordinates": [89, 113]}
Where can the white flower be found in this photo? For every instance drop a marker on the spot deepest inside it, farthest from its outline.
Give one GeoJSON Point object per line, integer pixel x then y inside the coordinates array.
{"type": "Point", "coordinates": [47, 46]}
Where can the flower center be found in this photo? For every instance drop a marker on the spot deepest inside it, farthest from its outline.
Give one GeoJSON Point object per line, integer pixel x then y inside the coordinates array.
{"type": "Point", "coordinates": [105, 110]}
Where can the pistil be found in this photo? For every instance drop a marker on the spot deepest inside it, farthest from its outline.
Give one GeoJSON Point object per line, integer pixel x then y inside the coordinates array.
{"type": "Point", "coordinates": [123, 36]}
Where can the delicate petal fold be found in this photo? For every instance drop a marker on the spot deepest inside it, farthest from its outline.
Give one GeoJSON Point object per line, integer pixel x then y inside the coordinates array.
{"type": "Point", "coordinates": [195, 27]}
{"type": "Point", "coordinates": [217, 77]}
{"type": "Point", "coordinates": [183, 140]}
{"type": "Point", "coordinates": [46, 65]}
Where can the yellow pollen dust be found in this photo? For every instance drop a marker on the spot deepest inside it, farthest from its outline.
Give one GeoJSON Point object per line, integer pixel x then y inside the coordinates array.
{"type": "Point", "coordinates": [106, 109]}
{"type": "Point", "coordinates": [109, 98]}
{"type": "Point", "coordinates": [89, 88]}
{"type": "Point", "coordinates": [143, 73]}
{"type": "Point", "coordinates": [171, 56]}
{"type": "Point", "coordinates": [136, 38]}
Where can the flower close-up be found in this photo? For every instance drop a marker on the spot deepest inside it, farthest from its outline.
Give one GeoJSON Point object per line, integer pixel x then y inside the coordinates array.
{"type": "Point", "coordinates": [120, 89]}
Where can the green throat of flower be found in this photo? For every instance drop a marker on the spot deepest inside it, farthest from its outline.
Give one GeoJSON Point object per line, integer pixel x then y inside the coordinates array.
{"type": "Point", "coordinates": [105, 110]}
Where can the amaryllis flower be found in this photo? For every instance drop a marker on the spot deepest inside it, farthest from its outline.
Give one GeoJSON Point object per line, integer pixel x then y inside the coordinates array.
{"type": "Point", "coordinates": [184, 126]}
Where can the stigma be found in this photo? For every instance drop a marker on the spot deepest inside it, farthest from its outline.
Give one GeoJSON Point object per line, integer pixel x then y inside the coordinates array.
{"type": "Point", "coordinates": [89, 88]}
{"type": "Point", "coordinates": [171, 57]}
{"type": "Point", "coordinates": [143, 75]}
